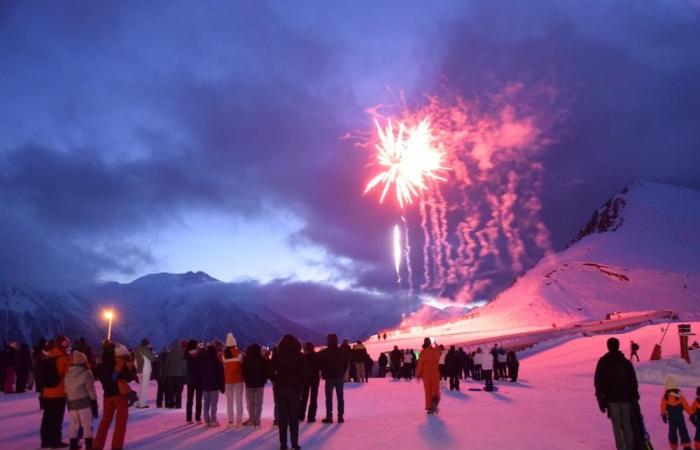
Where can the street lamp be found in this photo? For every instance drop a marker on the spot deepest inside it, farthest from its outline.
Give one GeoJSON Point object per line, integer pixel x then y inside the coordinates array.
{"type": "Point", "coordinates": [109, 315]}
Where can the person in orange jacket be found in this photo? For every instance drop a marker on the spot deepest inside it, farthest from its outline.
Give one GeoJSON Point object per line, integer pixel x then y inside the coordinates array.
{"type": "Point", "coordinates": [695, 417]}
{"type": "Point", "coordinates": [233, 378]}
{"type": "Point", "coordinates": [429, 372]}
{"type": "Point", "coordinates": [672, 406]}
{"type": "Point", "coordinates": [53, 395]}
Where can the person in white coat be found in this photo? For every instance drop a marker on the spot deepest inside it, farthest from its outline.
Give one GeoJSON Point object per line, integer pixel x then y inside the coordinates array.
{"type": "Point", "coordinates": [79, 386]}
{"type": "Point", "coordinates": [485, 359]}
{"type": "Point", "coordinates": [144, 359]}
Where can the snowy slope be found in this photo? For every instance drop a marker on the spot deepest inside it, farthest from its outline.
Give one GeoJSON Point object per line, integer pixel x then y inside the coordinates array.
{"type": "Point", "coordinates": [637, 254]}
{"type": "Point", "coordinates": [551, 407]}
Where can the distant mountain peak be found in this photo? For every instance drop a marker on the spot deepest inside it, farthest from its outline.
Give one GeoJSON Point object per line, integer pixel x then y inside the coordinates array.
{"type": "Point", "coordinates": [187, 278]}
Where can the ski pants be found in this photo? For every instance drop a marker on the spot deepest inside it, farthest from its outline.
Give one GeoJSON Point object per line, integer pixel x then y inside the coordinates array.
{"type": "Point", "coordinates": [234, 391]}
{"type": "Point", "coordinates": [120, 405]}
{"type": "Point", "coordinates": [144, 378]}
{"type": "Point", "coordinates": [254, 397]}
{"type": "Point", "coordinates": [52, 420]}
{"type": "Point", "coordinates": [431, 388]}
{"type": "Point", "coordinates": [676, 427]}
{"type": "Point", "coordinates": [310, 397]}
{"type": "Point", "coordinates": [288, 404]}
{"type": "Point", "coordinates": [620, 414]}
{"type": "Point", "coordinates": [454, 382]}
{"type": "Point", "coordinates": [336, 384]}
{"type": "Point", "coordinates": [80, 418]}
{"type": "Point", "coordinates": [194, 395]}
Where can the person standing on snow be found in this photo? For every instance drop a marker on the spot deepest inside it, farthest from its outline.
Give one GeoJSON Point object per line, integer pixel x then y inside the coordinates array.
{"type": "Point", "coordinates": [82, 400]}
{"type": "Point", "coordinates": [395, 357]}
{"type": "Point", "coordinates": [193, 357]}
{"type": "Point", "coordinates": [453, 368]}
{"type": "Point", "coordinates": [334, 364]}
{"type": "Point", "coordinates": [310, 393]}
{"type": "Point", "coordinates": [144, 360]}
{"type": "Point", "coordinates": [233, 364]}
{"type": "Point", "coordinates": [289, 372]}
{"type": "Point", "coordinates": [53, 370]}
{"type": "Point", "coordinates": [672, 406]}
{"type": "Point", "coordinates": [211, 383]}
{"type": "Point", "coordinates": [428, 370]}
{"type": "Point", "coordinates": [176, 373]}
{"type": "Point", "coordinates": [513, 366]}
{"type": "Point", "coordinates": [617, 392]}
{"type": "Point", "coordinates": [634, 348]}
{"type": "Point", "coordinates": [359, 354]}
{"type": "Point", "coordinates": [382, 363]}
{"type": "Point", "coordinates": [441, 366]}
{"type": "Point", "coordinates": [485, 361]}
{"type": "Point", "coordinates": [255, 374]}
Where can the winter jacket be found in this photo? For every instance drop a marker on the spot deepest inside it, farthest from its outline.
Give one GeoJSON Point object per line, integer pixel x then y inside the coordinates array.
{"type": "Point", "coordinates": [175, 364]}
{"type": "Point", "coordinates": [485, 360]}
{"type": "Point", "coordinates": [359, 353]}
{"type": "Point", "coordinates": [63, 362]}
{"type": "Point", "coordinates": [314, 363]}
{"type": "Point", "coordinates": [615, 379]}
{"type": "Point", "coordinates": [453, 363]}
{"type": "Point", "coordinates": [383, 360]}
{"type": "Point", "coordinates": [143, 352]}
{"type": "Point", "coordinates": [255, 370]}
{"type": "Point", "coordinates": [673, 402]}
{"type": "Point", "coordinates": [334, 362]}
{"type": "Point", "coordinates": [193, 359]}
{"type": "Point", "coordinates": [79, 385]}
{"type": "Point", "coordinates": [501, 355]}
{"type": "Point", "coordinates": [233, 364]}
{"type": "Point", "coordinates": [114, 374]}
{"type": "Point", "coordinates": [211, 371]}
{"type": "Point", "coordinates": [396, 357]}
{"type": "Point", "coordinates": [289, 372]}
{"type": "Point", "coordinates": [428, 362]}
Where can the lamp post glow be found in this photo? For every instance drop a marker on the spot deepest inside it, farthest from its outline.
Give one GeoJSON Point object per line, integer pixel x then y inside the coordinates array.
{"type": "Point", "coordinates": [109, 315]}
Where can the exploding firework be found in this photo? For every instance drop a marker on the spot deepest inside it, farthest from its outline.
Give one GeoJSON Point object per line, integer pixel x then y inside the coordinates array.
{"type": "Point", "coordinates": [397, 252]}
{"type": "Point", "coordinates": [409, 156]}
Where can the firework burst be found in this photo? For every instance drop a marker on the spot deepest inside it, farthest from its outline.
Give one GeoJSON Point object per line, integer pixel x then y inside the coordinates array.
{"type": "Point", "coordinates": [409, 157]}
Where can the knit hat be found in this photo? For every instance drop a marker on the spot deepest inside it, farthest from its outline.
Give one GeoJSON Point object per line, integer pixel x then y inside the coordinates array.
{"type": "Point", "coordinates": [670, 384]}
{"type": "Point", "coordinates": [79, 358]}
{"type": "Point", "coordinates": [230, 340]}
{"type": "Point", "coordinates": [121, 350]}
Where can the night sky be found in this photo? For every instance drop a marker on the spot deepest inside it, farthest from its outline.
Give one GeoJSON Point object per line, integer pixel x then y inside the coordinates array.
{"type": "Point", "coordinates": [140, 137]}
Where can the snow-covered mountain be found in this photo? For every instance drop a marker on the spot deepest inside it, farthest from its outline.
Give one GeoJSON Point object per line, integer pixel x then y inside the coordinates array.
{"type": "Point", "coordinates": [639, 252]}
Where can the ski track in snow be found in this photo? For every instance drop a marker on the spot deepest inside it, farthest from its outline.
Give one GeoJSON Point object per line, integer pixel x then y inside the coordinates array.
{"type": "Point", "coordinates": [551, 407]}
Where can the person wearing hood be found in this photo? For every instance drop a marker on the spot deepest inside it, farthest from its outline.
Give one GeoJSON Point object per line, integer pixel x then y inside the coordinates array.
{"type": "Point", "coordinates": [212, 383]}
{"type": "Point", "coordinates": [617, 392]}
{"type": "Point", "coordinates": [672, 406]}
{"type": "Point", "coordinates": [144, 361]}
{"type": "Point", "coordinates": [255, 374]}
{"type": "Point", "coordinates": [289, 372]}
{"type": "Point", "coordinates": [233, 374]}
{"type": "Point", "coordinates": [53, 370]}
{"type": "Point", "coordinates": [82, 400]}
{"type": "Point", "coordinates": [114, 372]}
{"type": "Point", "coordinates": [193, 358]}
{"type": "Point", "coordinates": [429, 371]}
{"type": "Point", "coordinates": [310, 394]}
{"type": "Point", "coordinates": [334, 364]}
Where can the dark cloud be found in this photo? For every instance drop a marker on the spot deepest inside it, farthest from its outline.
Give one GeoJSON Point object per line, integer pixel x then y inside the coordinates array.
{"type": "Point", "coordinates": [121, 122]}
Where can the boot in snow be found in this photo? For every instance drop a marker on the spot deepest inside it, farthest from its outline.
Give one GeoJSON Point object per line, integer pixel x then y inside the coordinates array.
{"type": "Point", "coordinates": [328, 419]}
{"type": "Point", "coordinates": [436, 401]}
{"type": "Point", "coordinates": [340, 418]}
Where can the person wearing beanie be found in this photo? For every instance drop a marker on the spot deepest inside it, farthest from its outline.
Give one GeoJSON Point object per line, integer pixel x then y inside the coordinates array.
{"type": "Point", "coordinates": [429, 371]}
{"type": "Point", "coordinates": [695, 417]}
{"type": "Point", "coordinates": [52, 371]}
{"type": "Point", "coordinates": [672, 406]}
{"type": "Point", "coordinates": [144, 365]}
{"type": "Point", "coordinates": [82, 400]}
{"type": "Point", "coordinates": [114, 372]}
{"type": "Point", "coordinates": [233, 377]}
{"type": "Point", "coordinates": [334, 363]}
{"type": "Point", "coordinates": [617, 392]}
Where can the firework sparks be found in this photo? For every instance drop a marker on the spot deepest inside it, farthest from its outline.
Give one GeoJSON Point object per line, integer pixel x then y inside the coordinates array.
{"type": "Point", "coordinates": [397, 252]}
{"type": "Point", "coordinates": [410, 156]}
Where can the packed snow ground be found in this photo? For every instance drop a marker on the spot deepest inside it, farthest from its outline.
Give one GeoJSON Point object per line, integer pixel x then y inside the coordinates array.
{"type": "Point", "coordinates": [552, 406]}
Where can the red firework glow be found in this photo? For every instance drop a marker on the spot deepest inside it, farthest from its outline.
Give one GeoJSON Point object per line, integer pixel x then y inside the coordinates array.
{"type": "Point", "coordinates": [470, 170]}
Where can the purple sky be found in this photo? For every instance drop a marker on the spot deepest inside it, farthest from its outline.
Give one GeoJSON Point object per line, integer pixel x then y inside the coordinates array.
{"type": "Point", "coordinates": [175, 136]}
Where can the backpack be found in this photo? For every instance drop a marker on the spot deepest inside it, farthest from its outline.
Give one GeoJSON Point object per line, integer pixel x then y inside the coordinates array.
{"type": "Point", "coordinates": [48, 373]}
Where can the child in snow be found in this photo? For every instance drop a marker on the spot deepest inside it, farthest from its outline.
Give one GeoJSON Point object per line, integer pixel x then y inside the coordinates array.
{"type": "Point", "coordinates": [82, 400]}
{"type": "Point", "coordinates": [672, 406]}
{"type": "Point", "coordinates": [695, 417]}
{"type": "Point", "coordinates": [212, 384]}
